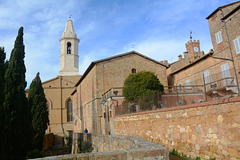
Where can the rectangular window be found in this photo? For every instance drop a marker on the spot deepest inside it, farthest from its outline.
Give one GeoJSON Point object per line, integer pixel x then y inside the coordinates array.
{"type": "Point", "coordinates": [237, 45]}
{"type": "Point", "coordinates": [206, 77]}
{"type": "Point", "coordinates": [218, 37]}
{"type": "Point", "coordinates": [188, 83]}
{"type": "Point", "coordinates": [226, 74]}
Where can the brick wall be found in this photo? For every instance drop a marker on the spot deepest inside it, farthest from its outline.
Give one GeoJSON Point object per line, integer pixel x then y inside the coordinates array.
{"type": "Point", "coordinates": [206, 130]}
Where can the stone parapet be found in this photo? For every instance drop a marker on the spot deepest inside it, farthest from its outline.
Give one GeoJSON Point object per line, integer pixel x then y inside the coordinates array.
{"type": "Point", "coordinates": [115, 147]}
{"type": "Point", "coordinates": [206, 130]}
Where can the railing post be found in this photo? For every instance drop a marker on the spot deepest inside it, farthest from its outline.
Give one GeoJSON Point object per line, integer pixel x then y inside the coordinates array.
{"type": "Point", "coordinates": [204, 85]}
{"type": "Point", "coordinates": [177, 95]}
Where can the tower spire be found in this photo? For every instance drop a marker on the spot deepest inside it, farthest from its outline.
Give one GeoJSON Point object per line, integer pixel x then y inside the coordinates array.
{"type": "Point", "coordinates": [69, 51]}
{"type": "Point", "coordinates": [69, 30]}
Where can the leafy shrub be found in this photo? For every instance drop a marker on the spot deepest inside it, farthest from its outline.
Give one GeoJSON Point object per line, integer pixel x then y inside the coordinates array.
{"type": "Point", "coordinates": [174, 152]}
{"type": "Point", "coordinates": [140, 84]}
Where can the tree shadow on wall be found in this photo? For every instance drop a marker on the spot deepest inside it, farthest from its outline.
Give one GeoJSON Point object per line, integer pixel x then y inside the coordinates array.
{"type": "Point", "coordinates": [85, 144]}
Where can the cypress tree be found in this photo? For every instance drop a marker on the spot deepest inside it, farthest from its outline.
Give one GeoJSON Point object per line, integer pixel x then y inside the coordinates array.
{"type": "Point", "coordinates": [37, 103]}
{"type": "Point", "coordinates": [17, 112]}
{"type": "Point", "coordinates": [2, 73]}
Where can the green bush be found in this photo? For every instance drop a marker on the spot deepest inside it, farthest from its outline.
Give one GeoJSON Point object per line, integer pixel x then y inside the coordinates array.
{"type": "Point", "coordinates": [140, 85]}
{"type": "Point", "coordinates": [174, 152]}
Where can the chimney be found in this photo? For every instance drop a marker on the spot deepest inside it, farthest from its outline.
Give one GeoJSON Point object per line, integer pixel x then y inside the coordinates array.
{"type": "Point", "coordinates": [186, 57]}
{"type": "Point", "coordinates": [211, 50]}
{"type": "Point", "coordinates": [180, 57]}
{"type": "Point", "coordinates": [165, 62]}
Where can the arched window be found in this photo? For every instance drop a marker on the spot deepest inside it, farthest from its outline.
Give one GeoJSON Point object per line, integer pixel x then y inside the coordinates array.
{"type": "Point", "coordinates": [69, 111]}
{"type": "Point", "coordinates": [68, 48]}
{"type": "Point", "coordinates": [134, 70]}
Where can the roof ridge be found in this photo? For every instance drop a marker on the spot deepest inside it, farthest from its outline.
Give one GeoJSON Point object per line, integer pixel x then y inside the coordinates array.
{"type": "Point", "coordinates": [113, 57]}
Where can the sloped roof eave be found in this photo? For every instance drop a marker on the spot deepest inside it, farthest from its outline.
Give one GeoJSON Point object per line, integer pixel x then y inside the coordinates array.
{"type": "Point", "coordinates": [195, 62]}
{"type": "Point", "coordinates": [221, 8]}
{"type": "Point", "coordinates": [230, 13]}
{"type": "Point", "coordinates": [113, 57]}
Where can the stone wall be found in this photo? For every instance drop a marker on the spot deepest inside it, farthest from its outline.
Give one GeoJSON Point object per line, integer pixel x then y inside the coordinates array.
{"type": "Point", "coordinates": [115, 147]}
{"type": "Point", "coordinates": [206, 130]}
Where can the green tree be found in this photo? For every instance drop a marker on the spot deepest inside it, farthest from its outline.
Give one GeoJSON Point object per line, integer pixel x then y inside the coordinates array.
{"type": "Point", "coordinates": [139, 85]}
{"type": "Point", "coordinates": [18, 129]}
{"type": "Point", "coordinates": [37, 102]}
{"type": "Point", "coordinates": [2, 73]}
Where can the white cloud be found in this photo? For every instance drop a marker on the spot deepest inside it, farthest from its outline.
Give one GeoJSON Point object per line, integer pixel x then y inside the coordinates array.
{"type": "Point", "coordinates": [161, 49]}
{"type": "Point", "coordinates": [84, 63]}
{"type": "Point", "coordinates": [158, 28]}
{"type": "Point", "coordinates": [84, 30]}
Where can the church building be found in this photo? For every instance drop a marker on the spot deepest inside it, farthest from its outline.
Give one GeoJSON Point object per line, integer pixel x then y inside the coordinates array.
{"type": "Point", "coordinates": [58, 90]}
{"type": "Point", "coordinates": [74, 101]}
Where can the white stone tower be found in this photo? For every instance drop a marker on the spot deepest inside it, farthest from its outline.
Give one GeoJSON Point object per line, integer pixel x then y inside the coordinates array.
{"type": "Point", "coordinates": [69, 51]}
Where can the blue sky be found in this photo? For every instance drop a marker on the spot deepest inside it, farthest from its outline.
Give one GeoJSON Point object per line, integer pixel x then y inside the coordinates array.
{"type": "Point", "coordinates": [158, 28]}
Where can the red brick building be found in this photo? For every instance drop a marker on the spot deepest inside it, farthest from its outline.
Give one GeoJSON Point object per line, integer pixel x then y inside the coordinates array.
{"type": "Point", "coordinates": [217, 72]}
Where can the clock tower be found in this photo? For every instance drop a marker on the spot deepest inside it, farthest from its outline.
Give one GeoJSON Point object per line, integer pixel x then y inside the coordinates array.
{"type": "Point", "coordinates": [69, 51]}
{"type": "Point", "coordinates": [193, 50]}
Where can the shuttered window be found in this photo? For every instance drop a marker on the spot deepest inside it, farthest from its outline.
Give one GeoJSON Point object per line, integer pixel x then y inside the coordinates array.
{"type": "Point", "coordinates": [218, 37]}
{"type": "Point", "coordinates": [237, 45]}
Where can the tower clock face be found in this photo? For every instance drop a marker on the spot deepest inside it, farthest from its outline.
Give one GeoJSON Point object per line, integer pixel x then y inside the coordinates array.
{"type": "Point", "coordinates": [195, 49]}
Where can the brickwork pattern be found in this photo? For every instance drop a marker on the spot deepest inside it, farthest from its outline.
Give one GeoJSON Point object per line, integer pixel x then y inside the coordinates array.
{"type": "Point", "coordinates": [195, 72]}
{"type": "Point", "coordinates": [206, 130]}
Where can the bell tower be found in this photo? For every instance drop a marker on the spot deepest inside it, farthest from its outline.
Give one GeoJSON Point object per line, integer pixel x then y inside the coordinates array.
{"type": "Point", "coordinates": [69, 51]}
{"type": "Point", "coordinates": [193, 50]}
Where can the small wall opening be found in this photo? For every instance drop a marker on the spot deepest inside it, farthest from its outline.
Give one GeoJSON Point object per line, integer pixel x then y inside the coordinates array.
{"type": "Point", "coordinates": [69, 48]}
{"type": "Point", "coordinates": [134, 70]}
